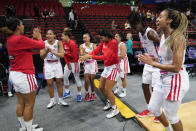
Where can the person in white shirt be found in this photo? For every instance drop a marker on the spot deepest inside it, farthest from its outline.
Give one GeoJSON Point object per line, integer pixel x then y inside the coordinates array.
{"type": "Point", "coordinates": [174, 81]}
{"type": "Point", "coordinates": [52, 67]}
{"type": "Point", "coordinates": [71, 19]}
{"type": "Point", "coordinates": [51, 14]}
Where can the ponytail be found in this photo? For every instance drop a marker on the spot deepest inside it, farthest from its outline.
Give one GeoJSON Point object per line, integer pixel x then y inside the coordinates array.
{"type": "Point", "coordinates": [7, 31]}
{"type": "Point", "coordinates": [11, 25]}
{"type": "Point", "coordinates": [179, 24]}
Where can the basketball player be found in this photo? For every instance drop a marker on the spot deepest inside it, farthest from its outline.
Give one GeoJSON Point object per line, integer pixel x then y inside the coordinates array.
{"type": "Point", "coordinates": [109, 49]}
{"type": "Point", "coordinates": [22, 70]}
{"type": "Point", "coordinates": [174, 80]}
{"type": "Point", "coordinates": [52, 67]}
{"type": "Point", "coordinates": [148, 38]}
{"type": "Point", "coordinates": [124, 66]}
{"type": "Point", "coordinates": [72, 65]}
{"type": "Point", "coordinates": [90, 67]}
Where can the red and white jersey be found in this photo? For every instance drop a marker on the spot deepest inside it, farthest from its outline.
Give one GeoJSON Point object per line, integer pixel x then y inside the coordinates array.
{"type": "Point", "coordinates": [71, 52]}
{"type": "Point", "coordinates": [54, 47]}
{"type": "Point", "coordinates": [166, 55]}
{"type": "Point", "coordinates": [109, 52]}
{"type": "Point", "coordinates": [175, 85]}
{"type": "Point", "coordinates": [20, 54]}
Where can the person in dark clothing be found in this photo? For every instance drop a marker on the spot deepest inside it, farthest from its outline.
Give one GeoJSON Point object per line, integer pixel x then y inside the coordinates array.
{"type": "Point", "coordinates": [45, 14]}
{"type": "Point", "coordinates": [11, 11]}
{"type": "Point", "coordinates": [4, 56]}
{"type": "Point", "coordinates": [76, 20]}
{"type": "Point", "coordinates": [71, 19]}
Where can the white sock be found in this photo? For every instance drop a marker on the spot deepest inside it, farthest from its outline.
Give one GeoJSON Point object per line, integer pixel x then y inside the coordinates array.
{"type": "Point", "coordinates": [124, 89]}
{"type": "Point", "coordinates": [93, 92]}
{"type": "Point", "coordinates": [79, 93]}
{"type": "Point", "coordinates": [22, 124]}
{"type": "Point", "coordinates": [66, 90]}
{"type": "Point", "coordinates": [60, 99]}
{"type": "Point", "coordinates": [169, 128]}
{"type": "Point", "coordinates": [29, 125]}
{"type": "Point", "coordinates": [52, 99]}
{"type": "Point", "coordinates": [114, 107]}
{"type": "Point", "coordinates": [87, 92]}
{"type": "Point", "coordinates": [147, 106]}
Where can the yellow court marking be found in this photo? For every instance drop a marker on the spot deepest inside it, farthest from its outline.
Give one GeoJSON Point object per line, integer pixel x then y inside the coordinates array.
{"type": "Point", "coordinates": [125, 111]}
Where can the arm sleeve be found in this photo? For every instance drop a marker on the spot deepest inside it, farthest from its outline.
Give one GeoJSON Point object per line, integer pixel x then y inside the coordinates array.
{"type": "Point", "coordinates": [106, 54]}
{"type": "Point", "coordinates": [27, 43]}
{"type": "Point", "coordinates": [97, 50]}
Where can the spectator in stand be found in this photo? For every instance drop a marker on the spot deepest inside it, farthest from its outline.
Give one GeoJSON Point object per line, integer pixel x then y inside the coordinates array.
{"type": "Point", "coordinates": [188, 13]}
{"type": "Point", "coordinates": [84, 7]}
{"type": "Point", "coordinates": [129, 46]}
{"type": "Point", "coordinates": [51, 14]}
{"type": "Point", "coordinates": [71, 19]}
{"type": "Point", "coordinates": [76, 20]}
{"type": "Point", "coordinates": [127, 25]}
{"type": "Point", "coordinates": [45, 14]}
{"type": "Point", "coordinates": [153, 17]}
{"type": "Point", "coordinates": [194, 21]}
{"type": "Point", "coordinates": [148, 16]}
{"type": "Point", "coordinates": [143, 15]}
{"type": "Point", "coordinates": [113, 25]}
{"type": "Point", "coordinates": [11, 11]}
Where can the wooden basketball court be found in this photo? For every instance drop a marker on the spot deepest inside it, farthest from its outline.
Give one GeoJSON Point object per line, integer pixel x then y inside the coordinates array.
{"type": "Point", "coordinates": [187, 114]}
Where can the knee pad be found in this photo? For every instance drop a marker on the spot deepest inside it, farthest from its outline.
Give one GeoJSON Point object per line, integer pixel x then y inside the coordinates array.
{"type": "Point", "coordinates": [173, 118]}
{"type": "Point", "coordinates": [156, 111]}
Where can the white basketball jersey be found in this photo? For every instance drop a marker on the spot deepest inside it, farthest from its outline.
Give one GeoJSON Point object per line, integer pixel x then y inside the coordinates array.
{"type": "Point", "coordinates": [147, 44]}
{"type": "Point", "coordinates": [54, 47]}
{"type": "Point", "coordinates": [88, 49]}
{"type": "Point", "coordinates": [166, 54]}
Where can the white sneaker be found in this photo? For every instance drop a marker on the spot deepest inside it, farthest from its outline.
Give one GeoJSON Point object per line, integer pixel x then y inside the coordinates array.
{"type": "Point", "coordinates": [38, 129]}
{"type": "Point", "coordinates": [122, 94]}
{"type": "Point", "coordinates": [33, 126]}
{"type": "Point", "coordinates": [113, 113]}
{"type": "Point", "coordinates": [62, 103]}
{"type": "Point", "coordinates": [10, 94]}
{"type": "Point", "coordinates": [21, 129]}
{"type": "Point", "coordinates": [116, 90]}
{"type": "Point", "coordinates": [107, 106]}
{"type": "Point", "coordinates": [51, 104]}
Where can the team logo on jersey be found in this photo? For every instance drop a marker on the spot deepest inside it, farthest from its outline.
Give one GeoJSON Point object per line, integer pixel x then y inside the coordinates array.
{"type": "Point", "coordinates": [55, 46]}
{"type": "Point", "coordinates": [11, 57]}
{"type": "Point", "coordinates": [66, 47]}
